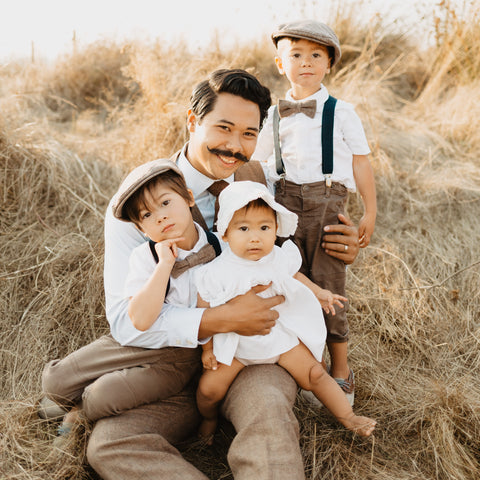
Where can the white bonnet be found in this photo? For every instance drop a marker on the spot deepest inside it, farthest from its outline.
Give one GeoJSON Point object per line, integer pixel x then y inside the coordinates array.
{"type": "Point", "coordinates": [238, 194]}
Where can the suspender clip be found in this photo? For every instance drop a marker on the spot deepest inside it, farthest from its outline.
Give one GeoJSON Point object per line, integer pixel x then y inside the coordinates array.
{"type": "Point", "coordinates": [328, 180]}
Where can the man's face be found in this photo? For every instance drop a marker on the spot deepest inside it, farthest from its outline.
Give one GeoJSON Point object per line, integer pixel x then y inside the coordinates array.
{"type": "Point", "coordinates": [224, 136]}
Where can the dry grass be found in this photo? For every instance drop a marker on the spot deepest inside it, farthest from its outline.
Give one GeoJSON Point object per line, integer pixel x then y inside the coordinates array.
{"type": "Point", "coordinates": [69, 132]}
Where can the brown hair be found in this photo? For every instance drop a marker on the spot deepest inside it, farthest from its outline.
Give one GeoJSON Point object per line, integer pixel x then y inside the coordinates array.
{"type": "Point", "coordinates": [237, 82]}
{"type": "Point", "coordinates": [330, 49]}
{"type": "Point", "coordinates": [138, 201]}
{"type": "Point", "coordinates": [259, 203]}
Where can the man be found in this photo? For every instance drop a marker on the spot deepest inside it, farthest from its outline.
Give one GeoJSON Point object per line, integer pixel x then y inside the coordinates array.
{"type": "Point", "coordinates": [226, 114]}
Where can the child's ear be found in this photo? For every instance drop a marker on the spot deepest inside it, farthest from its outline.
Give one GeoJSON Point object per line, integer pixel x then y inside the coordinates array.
{"type": "Point", "coordinates": [191, 203]}
{"type": "Point", "coordinates": [191, 120]}
{"type": "Point", "coordinates": [279, 64]}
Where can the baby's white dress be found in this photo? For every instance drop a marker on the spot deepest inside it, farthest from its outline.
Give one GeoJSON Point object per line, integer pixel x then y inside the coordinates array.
{"type": "Point", "coordinates": [300, 316]}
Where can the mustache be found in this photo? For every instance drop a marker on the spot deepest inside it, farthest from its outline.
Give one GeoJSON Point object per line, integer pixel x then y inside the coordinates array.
{"type": "Point", "coordinates": [228, 153]}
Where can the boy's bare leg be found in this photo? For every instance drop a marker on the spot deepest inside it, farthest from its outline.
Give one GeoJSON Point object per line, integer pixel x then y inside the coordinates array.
{"type": "Point", "coordinates": [73, 416]}
{"type": "Point", "coordinates": [311, 375]}
{"type": "Point", "coordinates": [212, 388]}
{"type": "Point", "coordinates": [339, 361]}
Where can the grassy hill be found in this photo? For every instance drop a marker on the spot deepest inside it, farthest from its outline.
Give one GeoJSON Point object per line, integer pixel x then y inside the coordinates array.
{"type": "Point", "coordinates": [71, 130]}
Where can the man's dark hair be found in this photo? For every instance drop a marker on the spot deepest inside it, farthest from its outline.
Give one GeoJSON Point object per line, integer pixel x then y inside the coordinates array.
{"type": "Point", "coordinates": [237, 82]}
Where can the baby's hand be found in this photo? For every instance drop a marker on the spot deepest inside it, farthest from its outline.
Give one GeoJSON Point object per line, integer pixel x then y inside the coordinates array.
{"type": "Point", "coordinates": [167, 250]}
{"type": "Point", "coordinates": [365, 230]}
{"type": "Point", "coordinates": [209, 360]}
{"type": "Point", "coordinates": [328, 299]}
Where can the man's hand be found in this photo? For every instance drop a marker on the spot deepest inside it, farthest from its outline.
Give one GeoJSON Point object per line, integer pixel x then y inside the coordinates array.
{"type": "Point", "coordinates": [246, 314]}
{"type": "Point", "coordinates": [341, 241]}
{"type": "Point", "coordinates": [252, 313]}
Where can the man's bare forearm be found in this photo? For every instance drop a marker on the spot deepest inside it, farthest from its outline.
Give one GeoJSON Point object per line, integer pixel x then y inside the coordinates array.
{"type": "Point", "coordinates": [216, 320]}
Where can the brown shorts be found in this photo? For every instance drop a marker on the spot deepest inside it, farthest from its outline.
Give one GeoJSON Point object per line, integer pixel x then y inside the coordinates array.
{"type": "Point", "coordinates": [316, 206]}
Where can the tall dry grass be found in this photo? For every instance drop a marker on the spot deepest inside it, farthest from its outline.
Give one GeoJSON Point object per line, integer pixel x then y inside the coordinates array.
{"type": "Point", "coordinates": [69, 132]}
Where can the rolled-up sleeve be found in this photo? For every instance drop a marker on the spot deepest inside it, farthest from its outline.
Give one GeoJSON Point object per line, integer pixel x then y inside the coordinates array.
{"type": "Point", "coordinates": [175, 327]}
{"type": "Point", "coordinates": [181, 325]}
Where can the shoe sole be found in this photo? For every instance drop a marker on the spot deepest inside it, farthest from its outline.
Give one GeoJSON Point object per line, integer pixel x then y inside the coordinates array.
{"type": "Point", "coordinates": [49, 410]}
{"type": "Point", "coordinates": [315, 402]}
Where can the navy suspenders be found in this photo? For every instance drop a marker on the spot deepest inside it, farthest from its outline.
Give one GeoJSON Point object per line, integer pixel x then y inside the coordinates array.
{"type": "Point", "coordinates": [327, 140]}
{"type": "Point", "coordinates": [212, 240]}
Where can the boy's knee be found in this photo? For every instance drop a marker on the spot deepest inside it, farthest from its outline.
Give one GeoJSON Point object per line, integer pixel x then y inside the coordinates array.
{"type": "Point", "coordinates": [97, 403]}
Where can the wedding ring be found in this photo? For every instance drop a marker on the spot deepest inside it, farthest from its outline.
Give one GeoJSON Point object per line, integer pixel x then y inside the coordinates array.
{"type": "Point", "coordinates": [346, 247]}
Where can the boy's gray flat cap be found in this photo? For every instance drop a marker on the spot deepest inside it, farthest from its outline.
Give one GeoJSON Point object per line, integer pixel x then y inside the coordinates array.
{"type": "Point", "coordinates": [310, 30]}
{"type": "Point", "coordinates": [138, 177]}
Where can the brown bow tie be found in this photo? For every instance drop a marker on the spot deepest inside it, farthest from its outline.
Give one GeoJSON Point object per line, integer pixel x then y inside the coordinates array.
{"type": "Point", "coordinates": [204, 255]}
{"type": "Point", "coordinates": [287, 108]}
{"type": "Point", "coordinates": [215, 189]}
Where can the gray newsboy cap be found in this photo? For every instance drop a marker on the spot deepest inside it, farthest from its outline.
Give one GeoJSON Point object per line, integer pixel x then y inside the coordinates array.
{"type": "Point", "coordinates": [310, 30]}
{"type": "Point", "coordinates": [138, 177]}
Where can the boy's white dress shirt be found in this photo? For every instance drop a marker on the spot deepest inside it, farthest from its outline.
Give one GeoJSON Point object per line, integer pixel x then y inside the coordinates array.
{"type": "Point", "coordinates": [176, 326]}
{"type": "Point", "coordinates": [301, 144]}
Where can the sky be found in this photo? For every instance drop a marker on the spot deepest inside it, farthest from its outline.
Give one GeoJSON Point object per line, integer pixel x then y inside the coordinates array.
{"type": "Point", "coordinates": [49, 25]}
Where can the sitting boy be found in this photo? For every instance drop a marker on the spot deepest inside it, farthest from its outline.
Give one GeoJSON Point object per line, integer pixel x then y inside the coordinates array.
{"type": "Point", "coordinates": [105, 378]}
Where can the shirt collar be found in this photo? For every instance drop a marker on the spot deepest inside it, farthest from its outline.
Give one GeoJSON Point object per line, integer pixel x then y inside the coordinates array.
{"type": "Point", "coordinates": [196, 181]}
{"type": "Point", "coordinates": [320, 96]}
{"type": "Point", "coordinates": [202, 240]}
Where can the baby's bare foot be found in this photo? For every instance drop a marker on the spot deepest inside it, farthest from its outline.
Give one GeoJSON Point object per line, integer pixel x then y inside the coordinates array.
{"type": "Point", "coordinates": [364, 426]}
{"type": "Point", "coordinates": [207, 429]}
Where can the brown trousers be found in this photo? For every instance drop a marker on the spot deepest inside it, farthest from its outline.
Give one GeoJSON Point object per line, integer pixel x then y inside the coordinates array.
{"type": "Point", "coordinates": [137, 444]}
{"type": "Point", "coordinates": [108, 379]}
{"type": "Point", "coordinates": [316, 206]}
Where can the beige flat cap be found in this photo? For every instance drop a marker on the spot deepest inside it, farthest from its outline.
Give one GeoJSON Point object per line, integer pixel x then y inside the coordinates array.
{"type": "Point", "coordinates": [138, 177]}
{"type": "Point", "coordinates": [310, 30]}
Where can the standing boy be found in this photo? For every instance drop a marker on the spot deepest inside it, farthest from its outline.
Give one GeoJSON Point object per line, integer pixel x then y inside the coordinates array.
{"type": "Point", "coordinates": [315, 151]}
